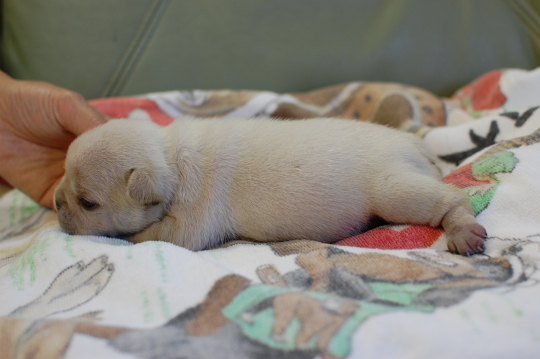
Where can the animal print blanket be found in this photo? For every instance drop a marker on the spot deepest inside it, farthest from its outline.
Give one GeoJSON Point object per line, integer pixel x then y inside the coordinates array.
{"type": "Point", "coordinates": [392, 292]}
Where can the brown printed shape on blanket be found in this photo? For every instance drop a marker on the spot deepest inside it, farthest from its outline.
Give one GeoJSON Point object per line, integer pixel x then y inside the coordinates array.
{"type": "Point", "coordinates": [28, 338]}
{"type": "Point", "coordinates": [393, 110]}
{"type": "Point", "coordinates": [216, 103]}
{"type": "Point", "coordinates": [319, 320]}
{"type": "Point", "coordinates": [392, 104]}
{"type": "Point", "coordinates": [208, 315]}
{"type": "Point", "coordinates": [48, 339]}
{"type": "Point", "coordinates": [324, 102]}
{"type": "Point", "coordinates": [269, 275]}
{"type": "Point", "coordinates": [443, 271]}
{"type": "Point", "coordinates": [389, 104]}
{"type": "Point", "coordinates": [26, 332]}
{"type": "Point", "coordinates": [296, 247]}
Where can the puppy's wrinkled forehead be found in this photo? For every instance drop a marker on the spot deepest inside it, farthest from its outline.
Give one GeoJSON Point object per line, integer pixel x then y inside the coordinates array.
{"type": "Point", "coordinates": [101, 157]}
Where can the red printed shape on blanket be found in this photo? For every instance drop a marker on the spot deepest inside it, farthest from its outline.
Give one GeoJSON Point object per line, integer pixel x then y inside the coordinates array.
{"type": "Point", "coordinates": [410, 237]}
{"type": "Point", "coordinates": [121, 107]}
{"type": "Point", "coordinates": [463, 177]}
{"type": "Point", "coordinates": [483, 93]}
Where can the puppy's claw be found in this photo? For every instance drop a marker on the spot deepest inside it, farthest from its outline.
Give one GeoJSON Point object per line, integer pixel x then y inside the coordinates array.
{"type": "Point", "coordinates": [479, 231]}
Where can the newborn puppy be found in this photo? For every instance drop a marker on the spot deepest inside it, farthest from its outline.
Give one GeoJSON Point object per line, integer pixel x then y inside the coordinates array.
{"type": "Point", "coordinates": [197, 183]}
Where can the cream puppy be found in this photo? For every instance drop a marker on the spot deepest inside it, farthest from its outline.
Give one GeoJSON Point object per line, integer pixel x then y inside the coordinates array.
{"type": "Point", "coordinates": [198, 183]}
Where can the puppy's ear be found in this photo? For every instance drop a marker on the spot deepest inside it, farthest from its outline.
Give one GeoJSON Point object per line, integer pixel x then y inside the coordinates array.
{"type": "Point", "coordinates": [144, 186]}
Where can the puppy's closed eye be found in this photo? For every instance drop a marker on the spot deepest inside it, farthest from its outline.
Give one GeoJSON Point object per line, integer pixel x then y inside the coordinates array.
{"type": "Point", "coordinates": [87, 205]}
{"type": "Point", "coordinates": [152, 204]}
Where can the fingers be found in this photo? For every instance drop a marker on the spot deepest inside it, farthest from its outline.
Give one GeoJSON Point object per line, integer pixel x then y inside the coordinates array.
{"type": "Point", "coordinates": [38, 121]}
{"type": "Point", "coordinates": [4, 77]}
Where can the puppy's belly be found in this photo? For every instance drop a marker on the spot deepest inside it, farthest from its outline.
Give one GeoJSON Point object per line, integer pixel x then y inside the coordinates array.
{"type": "Point", "coordinates": [316, 229]}
{"type": "Point", "coordinates": [322, 216]}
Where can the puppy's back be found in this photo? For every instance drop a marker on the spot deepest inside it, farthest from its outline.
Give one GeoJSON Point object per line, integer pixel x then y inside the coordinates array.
{"type": "Point", "coordinates": [296, 179]}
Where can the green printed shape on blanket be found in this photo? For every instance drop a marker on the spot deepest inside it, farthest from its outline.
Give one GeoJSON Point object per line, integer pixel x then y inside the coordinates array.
{"type": "Point", "coordinates": [160, 259]}
{"type": "Point", "coordinates": [21, 207]}
{"type": "Point", "coordinates": [500, 162]}
{"type": "Point", "coordinates": [258, 325]}
{"type": "Point", "coordinates": [68, 246]}
{"type": "Point", "coordinates": [479, 201]}
{"type": "Point", "coordinates": [148, 315]}
{"type": "Point", "coordinates": [403, 294]}
{"type": "Point", "coordinates": [24, 270]}
{"type": "Point", "coordinates": [148, 308]}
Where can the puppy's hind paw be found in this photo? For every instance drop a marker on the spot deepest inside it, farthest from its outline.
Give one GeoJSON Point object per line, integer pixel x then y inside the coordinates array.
{"type": "Point", "coordinates": [466, 239]}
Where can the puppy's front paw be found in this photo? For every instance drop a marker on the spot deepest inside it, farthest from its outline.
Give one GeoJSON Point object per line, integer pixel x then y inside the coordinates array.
{"type": "Point", "coordinates": [466, 239]}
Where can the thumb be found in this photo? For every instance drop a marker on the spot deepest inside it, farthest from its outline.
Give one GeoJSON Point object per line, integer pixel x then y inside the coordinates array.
{"type": "Point", "coordinates": [77, 116]}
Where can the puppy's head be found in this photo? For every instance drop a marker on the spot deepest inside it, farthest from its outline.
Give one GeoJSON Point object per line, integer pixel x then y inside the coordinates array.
{"type": "Point", "coordinates": [117, 182]}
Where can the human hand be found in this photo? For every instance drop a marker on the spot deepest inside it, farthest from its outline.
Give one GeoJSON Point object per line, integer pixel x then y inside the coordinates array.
{"type": "Point", "coordinates": [38, 122]}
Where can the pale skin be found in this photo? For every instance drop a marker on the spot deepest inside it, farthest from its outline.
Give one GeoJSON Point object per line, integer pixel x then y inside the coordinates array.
{"type": "Point", "coordinates": [38, 122]}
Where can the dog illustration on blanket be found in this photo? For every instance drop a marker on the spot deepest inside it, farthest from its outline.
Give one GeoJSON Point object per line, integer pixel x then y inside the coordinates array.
{"type": "Point", "coordinates": [316, 309]}
{"type": "Point", "coordinates": [304, 313]}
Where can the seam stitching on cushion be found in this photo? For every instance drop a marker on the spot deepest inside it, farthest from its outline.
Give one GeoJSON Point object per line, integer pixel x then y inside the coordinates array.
{"type": "Point", "coordinates": [135, 49]}
{"type": "Point", "coordinates": [530, 20]}
{"type": "Point", "coordinates": [526, 13]}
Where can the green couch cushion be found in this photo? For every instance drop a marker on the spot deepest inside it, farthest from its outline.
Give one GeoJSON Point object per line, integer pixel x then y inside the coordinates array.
{"type": "Point", "coordinates": [119, 47]}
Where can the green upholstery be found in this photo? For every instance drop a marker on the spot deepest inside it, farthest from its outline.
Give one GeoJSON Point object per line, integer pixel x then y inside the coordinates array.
{"type": "Point", "coordinates": [123, 47]}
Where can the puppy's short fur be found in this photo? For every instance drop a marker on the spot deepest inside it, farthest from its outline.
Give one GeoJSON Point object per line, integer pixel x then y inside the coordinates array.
{"type": "Point", "coordinates": [197, 183]}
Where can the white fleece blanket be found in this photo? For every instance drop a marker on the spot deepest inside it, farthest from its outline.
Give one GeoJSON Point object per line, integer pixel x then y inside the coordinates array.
{"type": "Point", "coordinates": [393, 292]}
